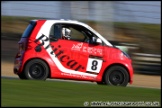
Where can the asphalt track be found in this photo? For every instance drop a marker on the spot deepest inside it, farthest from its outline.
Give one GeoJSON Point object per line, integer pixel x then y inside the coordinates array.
{"type": "Point", "coordinates": [74, 81]}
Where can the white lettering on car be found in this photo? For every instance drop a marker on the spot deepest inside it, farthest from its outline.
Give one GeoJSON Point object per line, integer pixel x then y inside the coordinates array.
{"type": "Point", "coordinates": [90, 50]}
{"type": "Point", "coordinates": [77, 46]}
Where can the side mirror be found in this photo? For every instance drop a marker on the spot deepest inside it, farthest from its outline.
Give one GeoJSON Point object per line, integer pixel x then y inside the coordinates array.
{"type": "Point", "coordinates": [96, 40]}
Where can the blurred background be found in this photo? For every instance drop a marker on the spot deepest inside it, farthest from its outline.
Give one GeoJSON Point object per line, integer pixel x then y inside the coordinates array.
{"type": "Point", "coordinates": [134, 26]}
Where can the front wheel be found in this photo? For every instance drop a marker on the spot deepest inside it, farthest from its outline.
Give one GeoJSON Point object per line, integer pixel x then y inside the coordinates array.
{"type": "Point", "coordinates": [100, 83]}
{"type": "Point", "coordinates": [116, 76]}
{"type": "Point", "coordinates": [36, 69]}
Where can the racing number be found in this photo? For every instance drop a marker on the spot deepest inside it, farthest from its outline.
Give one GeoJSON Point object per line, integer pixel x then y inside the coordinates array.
{"type": "Point", "coordinates": [94, 65]}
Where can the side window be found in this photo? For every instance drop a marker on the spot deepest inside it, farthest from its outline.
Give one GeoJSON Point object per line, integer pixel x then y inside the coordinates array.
{"type": "Point", "coordinates": [55, 32]}
{"type": "Point", "coordinates": [77, 35]}
{"type": "Point", "coordinates": [70, 32]}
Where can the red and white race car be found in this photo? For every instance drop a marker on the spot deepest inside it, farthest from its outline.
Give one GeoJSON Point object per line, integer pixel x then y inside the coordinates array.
{"type": "Point", "coordinates": [67, 49]}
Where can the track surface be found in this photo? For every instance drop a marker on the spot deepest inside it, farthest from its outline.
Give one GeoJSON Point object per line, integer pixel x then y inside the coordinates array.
{"type": "Point", "coordinates": [140, 80]}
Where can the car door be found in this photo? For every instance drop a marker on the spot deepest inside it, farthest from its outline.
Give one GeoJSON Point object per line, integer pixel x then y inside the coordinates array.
{"type": "Point", "coordinates": [68, 52]}
{"type": "Point", "coordinates": [95, 58]}
{"type": "Point", "coordinates": [93, 51]}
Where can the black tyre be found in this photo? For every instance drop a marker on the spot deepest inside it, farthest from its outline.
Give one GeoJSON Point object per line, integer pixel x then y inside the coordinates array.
{"type": "Point", "coordinates": [36, 69]}
{"type": "Point", "coordinates": [101, 83]}
{"type": "Point", "coordinates": [22, 76]}
{"type": "Point", "coordinates": [116, 76]}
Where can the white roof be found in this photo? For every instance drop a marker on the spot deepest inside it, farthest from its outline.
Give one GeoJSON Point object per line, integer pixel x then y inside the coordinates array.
{"type": "Point", "coordinates": [79, 23]}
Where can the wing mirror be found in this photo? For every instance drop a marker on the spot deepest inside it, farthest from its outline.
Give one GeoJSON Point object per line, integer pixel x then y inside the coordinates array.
{"type": "Point", "coordinates": [96, 40]}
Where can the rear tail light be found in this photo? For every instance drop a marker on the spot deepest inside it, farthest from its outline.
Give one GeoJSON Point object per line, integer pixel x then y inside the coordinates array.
{"type": "Point", "coordinates": [22, 47]}
{"type": "Point", "coordinates": [18, 55]}
{"type": "Point", "coordinates": [21, 50]}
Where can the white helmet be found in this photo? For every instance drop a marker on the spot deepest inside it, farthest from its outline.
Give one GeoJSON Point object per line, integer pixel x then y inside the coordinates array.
{"type": "Point", "coordinates": [66, 33]}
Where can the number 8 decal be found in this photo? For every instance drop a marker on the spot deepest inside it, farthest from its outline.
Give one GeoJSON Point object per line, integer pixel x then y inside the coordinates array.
{"type": "Point", "coordinates": [94, 65]}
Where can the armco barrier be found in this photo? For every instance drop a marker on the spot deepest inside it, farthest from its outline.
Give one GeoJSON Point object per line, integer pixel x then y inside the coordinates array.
{"type": "Point", "coordinates": [146, 63]}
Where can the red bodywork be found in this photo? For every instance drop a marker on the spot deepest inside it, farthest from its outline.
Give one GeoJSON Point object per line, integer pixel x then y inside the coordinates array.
{"type": "Point", "coordinates": [69, 57]}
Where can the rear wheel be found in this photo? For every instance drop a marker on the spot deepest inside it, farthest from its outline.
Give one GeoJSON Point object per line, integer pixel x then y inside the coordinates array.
{"type": "Point", "coordinates": [22, 76]}
{"type": "Point", "coordinates": [36, 69]}
{"type": "Point", "coordinates": [116, 76]}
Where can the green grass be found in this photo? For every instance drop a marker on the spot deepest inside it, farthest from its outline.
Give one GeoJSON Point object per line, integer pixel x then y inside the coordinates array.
{"type": "Point", "coordinates": [17, 92]}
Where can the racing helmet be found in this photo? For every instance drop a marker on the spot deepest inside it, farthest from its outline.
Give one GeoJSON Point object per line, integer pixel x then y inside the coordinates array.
{"type": "Point", "coordinates": [66, 33]}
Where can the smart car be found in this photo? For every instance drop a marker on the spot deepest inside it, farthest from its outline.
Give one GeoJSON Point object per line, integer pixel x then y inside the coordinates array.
{"type": "Point", "coordinates": [69, 49]}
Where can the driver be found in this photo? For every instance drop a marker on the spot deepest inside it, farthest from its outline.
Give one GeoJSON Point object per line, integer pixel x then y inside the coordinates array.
{"type": "Point", "coordinates": [66, 33]}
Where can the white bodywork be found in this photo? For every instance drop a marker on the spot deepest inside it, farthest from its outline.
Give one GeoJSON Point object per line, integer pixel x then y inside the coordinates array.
{"type": "Point", "coordinates": [51, 22]}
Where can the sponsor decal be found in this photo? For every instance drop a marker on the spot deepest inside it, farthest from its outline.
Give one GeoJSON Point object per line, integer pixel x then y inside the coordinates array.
{"type": "Point", "coordinates": [77, 76]}
{"type": "Point", "coordinates": [77, 47]}
{"type": "Point", "coordinates": [58, 53]}
{"type": "Point", "coordinates": [90, 50]}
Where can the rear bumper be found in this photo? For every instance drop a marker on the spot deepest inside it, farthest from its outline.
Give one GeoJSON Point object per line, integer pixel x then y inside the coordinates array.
{"type": "Point", "coordinates": [15, 71]}
{"type": "Point", "coordinates": [17, 65]}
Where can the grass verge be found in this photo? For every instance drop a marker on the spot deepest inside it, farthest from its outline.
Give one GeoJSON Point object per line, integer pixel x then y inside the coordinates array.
{"type": "Point", "coordinates": [34, 93]}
